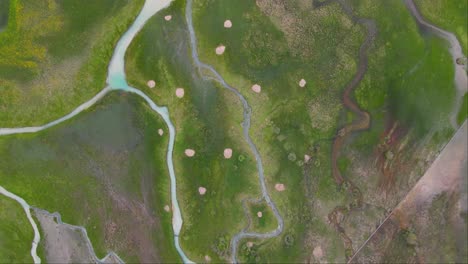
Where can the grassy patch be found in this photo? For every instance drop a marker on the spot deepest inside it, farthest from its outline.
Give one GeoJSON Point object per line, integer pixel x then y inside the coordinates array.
{"type": "Point", "coordinates": [103, 164]}
{"type": "Point", "coordinates": [449, 15]}
{"type": "Point", "coordinates": [263, 219]}
{"type": "Point", "coordinates": [16, 233]}
{"type": "Point", "coordinates": [54, 56]}
{"type": "Point", "coordinates": [275, 45]}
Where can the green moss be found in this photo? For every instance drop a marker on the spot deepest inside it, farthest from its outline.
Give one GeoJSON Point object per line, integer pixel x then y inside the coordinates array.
{"type": "Point", "coordinates": [287, 121]}
{"type": "Point", "coordinates": [16, 233]}
{"type": "Point", "coordinates": [80, 167]}
{"type": "Point", "coordinates": [266, 223]}
{"type": "Point", "coordinates": [207, 120]}
{"type": "Point", "coordinates": [449, 15]}
{"type": "Point", "coordinates": [69, 54]}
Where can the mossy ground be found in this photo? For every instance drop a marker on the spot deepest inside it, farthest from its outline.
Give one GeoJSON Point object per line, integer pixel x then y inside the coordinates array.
{"type": "Point", "coordinates": [449, 15]}
{"type": "Point", "coordinates": [409, 79]}
{"type": "Point", "coordinates": [207, 119]}
{"type": "Point", "coordinates": [54, 56]}
{"type": "Point", "coordinates": [409, 82]}
{"type": "Point", "coordinates": [16, 233]}
{"type": "Point", "coordinates": [103, 164]}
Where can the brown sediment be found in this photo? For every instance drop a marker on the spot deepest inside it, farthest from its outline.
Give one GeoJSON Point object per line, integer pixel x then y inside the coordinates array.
{"type": "Point", "coordinates": [363, 118]}
{"type": "Point", "coordinates": [362, 122]}
{"type": "Point", "coordinates": [339, 214]}
{"type": "Point", "coordinates": [388, 153]}
{"type": "Point", "coordinates": [445, 175]}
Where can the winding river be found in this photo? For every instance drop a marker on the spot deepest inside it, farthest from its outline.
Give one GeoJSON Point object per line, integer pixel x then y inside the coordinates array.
{"type": "Point", "coordinates": [116, 81]}
{"type": "Point", "coordinates": [26, 207]}
{"type": "Point", "coordinates": [455, 50]}
{"type": "Point", "coordinates": [246, 127]}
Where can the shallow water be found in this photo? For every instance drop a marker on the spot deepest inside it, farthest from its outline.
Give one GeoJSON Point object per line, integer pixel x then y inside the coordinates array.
{"type": "Point", "coordinates": [455, 49]}
{"type": "Point", "coordinates": [4, 10]}
{"type": "Point", "coordinates": [246, 128]}
{"type": "Point", "coordinates": [116, 71]}
{"type": "Point", "coordinates": [116, 80]}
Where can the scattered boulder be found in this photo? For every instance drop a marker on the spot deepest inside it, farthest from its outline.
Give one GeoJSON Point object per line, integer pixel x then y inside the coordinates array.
{"type": "Point", "coordinates": [256, 88]}
{"type": "Point", "coordinates": [201, 190]}
{"type": "Point", "coordinates": [227, 24]}
{"type": "Point", "coordinates": [227, 153]}
{"type": "Point", "coordinates": [180, 92]}
{"type": "Point", "coordinates": [151, 83]}
{"type": "Point", "coordinates": [190, 152]}
{"type": "Point", "coordinates": [280, 187]}
{"type": "Point", "coordinates": [220, 49]}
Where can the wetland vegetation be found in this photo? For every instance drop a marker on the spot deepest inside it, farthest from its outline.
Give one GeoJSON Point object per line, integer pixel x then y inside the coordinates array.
{"type": "Point", "coordinates": [15, 232]}
{"type": "Point", "coordinates": [382, 87]}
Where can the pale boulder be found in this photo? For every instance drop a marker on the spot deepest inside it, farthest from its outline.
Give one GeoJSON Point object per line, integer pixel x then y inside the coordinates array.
{"type": "Point", "coordinates": [220, 49]}
{"type": "Point", "coordinates": [201, 190]}
{"type": "Point", "coordinates": [256, 88]}
{"type": "Point", "coordinates": [302, 83]}
{"type": "Point", "coordinates": [228, 23]}
{"type": "Point", "coordinates": [189, 152]}
{"type": "Point", "coordinates": [227, 153]}
{"type": "Point", "coordinates": [151, 83]}
{"type": "Point", "coordinates": [180, 92]}
{"type": "Point", "coordinates": [280, 187]}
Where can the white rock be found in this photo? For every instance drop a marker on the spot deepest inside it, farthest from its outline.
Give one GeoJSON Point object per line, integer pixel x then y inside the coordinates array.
{"type": "Point", "coordinates": [227, 153]}
{"type": "Point", "coordinates": [151, 83]}
{"type": "Point", "coordinates": [180, 92]}
{"type": "Point", "coordinates": [227, 24]}
{"type": "Point", "coordinates": [280, 187]}
{"type": "Point", "coordinates": [202, 190]}
{"type": "Point", "coordinates": [190, 152]}
{"type": "Point", "coordinates": [302, 83]}
{"type": "Point", "coordinates": [220, 49]}
{"type": "Point", "coordinates": [256, 88]}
